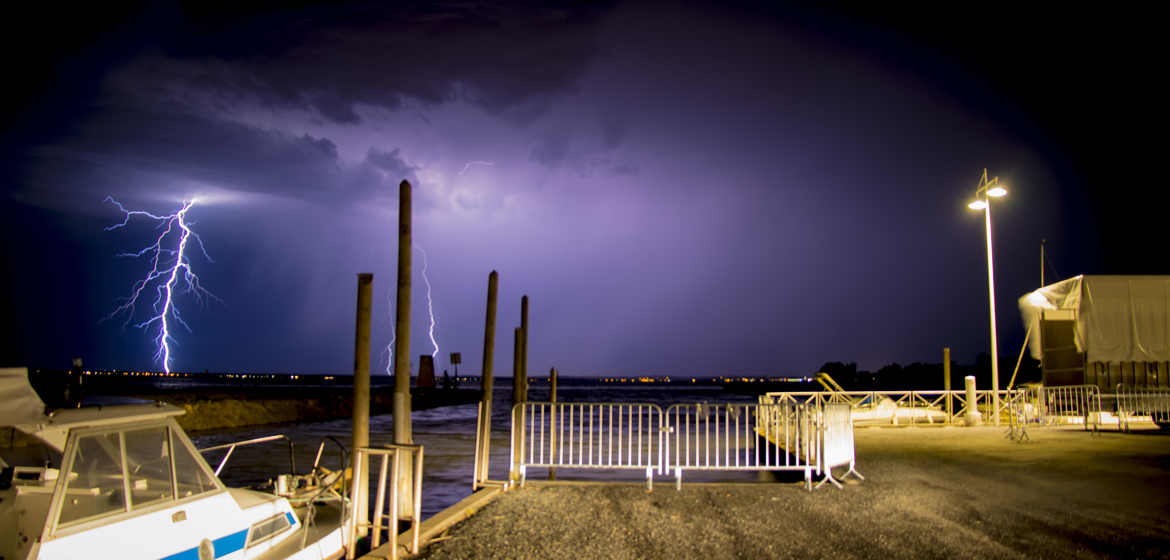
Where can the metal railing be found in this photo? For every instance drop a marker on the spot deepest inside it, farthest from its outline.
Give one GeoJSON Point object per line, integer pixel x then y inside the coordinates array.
{"type": "Point", "coordinates": [1133, 402]}
{"type": "Point", "coordinates": [1066, 404]}
{"type": "Point", "coordinates": [724, 436]}
{"type": "Point", "coordinates": [909, 406]}
{"type": "Point", "coordinates": [231, 448]}
{"type": "Point", "coordinates": [586, 436]}
{"type": "Point", "coordinates": [390, 466]}
{"type": "Point", "coordinates": [785, 436]}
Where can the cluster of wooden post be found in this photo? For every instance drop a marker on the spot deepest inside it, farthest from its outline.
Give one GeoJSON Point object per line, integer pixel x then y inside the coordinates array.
{"type": "Point", "coordinates": [401, 367]}
{"type": "Point", "coordinates": [361, 369]}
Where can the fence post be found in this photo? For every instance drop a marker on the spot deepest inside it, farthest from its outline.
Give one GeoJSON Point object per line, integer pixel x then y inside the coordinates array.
{"type": "Point", "coordinates": [552, 422]}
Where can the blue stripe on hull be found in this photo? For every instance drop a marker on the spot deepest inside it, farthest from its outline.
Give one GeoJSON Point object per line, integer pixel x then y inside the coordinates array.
{"type": "Point", "coordinates": [223, 546]}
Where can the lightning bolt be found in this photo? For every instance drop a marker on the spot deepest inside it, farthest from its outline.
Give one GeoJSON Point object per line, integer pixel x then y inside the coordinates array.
{"type": "Point", "coordinates": [170, 270]}
{"type": "Point", "coordinates": [471, 163]}
{"type": "Point", "coordinates": [430, 304]}
{"type": "Point", "coordinates": [389, 352]}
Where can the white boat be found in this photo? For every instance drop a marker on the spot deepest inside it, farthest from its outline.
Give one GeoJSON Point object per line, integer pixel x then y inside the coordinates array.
{"type": "Point", "coordinates": [126, 482]}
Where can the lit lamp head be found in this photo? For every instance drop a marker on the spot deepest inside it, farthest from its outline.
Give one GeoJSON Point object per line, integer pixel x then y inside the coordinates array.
{"type": "Point", "coordinates": [994, 190]}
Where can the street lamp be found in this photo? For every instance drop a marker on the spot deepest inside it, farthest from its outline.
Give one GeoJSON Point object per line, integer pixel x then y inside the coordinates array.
{"type": "Point", "coordinates": [984, 192]}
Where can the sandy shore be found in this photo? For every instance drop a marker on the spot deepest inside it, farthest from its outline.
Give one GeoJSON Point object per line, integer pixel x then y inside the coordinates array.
{"type": "Point", "coordinates": [929, 493]}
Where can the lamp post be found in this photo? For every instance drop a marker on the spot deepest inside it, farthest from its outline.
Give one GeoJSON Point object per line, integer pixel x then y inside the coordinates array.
{"type": "Point", "coordinates": [984, 192]}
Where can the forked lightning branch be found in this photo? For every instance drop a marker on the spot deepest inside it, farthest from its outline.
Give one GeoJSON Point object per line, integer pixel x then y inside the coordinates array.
{"type": "Point", "coordinates": [170, 276]}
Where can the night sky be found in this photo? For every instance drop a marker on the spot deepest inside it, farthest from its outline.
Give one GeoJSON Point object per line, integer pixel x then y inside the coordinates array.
{"type": "Point", "coordinates": [681, 189]}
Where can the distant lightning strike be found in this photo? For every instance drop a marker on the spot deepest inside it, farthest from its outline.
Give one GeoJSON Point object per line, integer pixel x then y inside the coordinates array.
{"type": "Point", "coordinates": [471, 163]}
{"type": "Point", "coordinates": [430, 312]}
{"type": "Point", "coordinates": [430, 304]}
{"type": "Point", "coordinates": [170, 269]}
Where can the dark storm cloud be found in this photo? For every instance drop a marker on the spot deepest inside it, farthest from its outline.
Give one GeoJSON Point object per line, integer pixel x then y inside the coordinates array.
{"type": "Point", "coordinates": [222, 154]}
{"type": "Point", "coordinates": [390, 162]}
{"type": "Point", "coordinates": [679, 187]}
{"type": "Point", "coordinates": [551, 150]}
{"type": "Point", "coordinates": [379, 54]}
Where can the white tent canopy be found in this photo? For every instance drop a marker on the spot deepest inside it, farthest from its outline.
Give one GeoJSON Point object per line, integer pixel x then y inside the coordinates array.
{"type": "Point", "coordinates": [1118, 318]}
{"type": "Point", "coordinates": [19, 403]}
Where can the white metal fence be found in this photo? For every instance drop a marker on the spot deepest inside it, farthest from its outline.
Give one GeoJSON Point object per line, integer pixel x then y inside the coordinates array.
{"type": "Point", "coordinates": [898, 407]}
{"type": "Point", "coordinates": [722, 436]}
{"type": "Point", "coordinates": [1140, 403]}
{"type": "Point", "coordinates": [783, 436]}
{"type": "Point", "coordinates": [1065, 404]}
{"type": "Point", "coordinates": [586, 436]}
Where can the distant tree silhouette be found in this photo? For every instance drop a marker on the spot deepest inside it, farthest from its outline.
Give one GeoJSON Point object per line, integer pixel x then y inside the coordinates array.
{"type": "Point", "coordinates": [929, 376]}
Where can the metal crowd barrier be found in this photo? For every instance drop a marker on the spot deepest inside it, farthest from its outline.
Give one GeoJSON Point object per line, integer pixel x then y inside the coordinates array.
{"type": "Point", "coordinates": [1140, 402]}
{"type": "Point", "coordinates": [390, 465]}
{"type": "Point", "coordinates": [721, 436]}
{"type": "Point", "coordinates": [1067, 404]}
{"type": "Point", "coordinates": [837, 449]}
{"type": "Point", "coordinates": [586, 436]}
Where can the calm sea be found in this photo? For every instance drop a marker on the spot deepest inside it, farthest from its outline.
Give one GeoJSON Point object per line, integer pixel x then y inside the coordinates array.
{"type": "Point", "coordinates": [448, 437]}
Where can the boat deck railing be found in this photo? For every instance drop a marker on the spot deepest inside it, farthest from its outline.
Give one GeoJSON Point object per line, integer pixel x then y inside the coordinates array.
{"type": "Point", "coordinates": [231, 448]}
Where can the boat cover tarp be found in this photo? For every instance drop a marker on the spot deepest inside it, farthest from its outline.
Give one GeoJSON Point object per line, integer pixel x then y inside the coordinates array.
{"type": "Point", "coordinates": [19, 403]}
{"type": "Point", "coordinates": [1118, 318]}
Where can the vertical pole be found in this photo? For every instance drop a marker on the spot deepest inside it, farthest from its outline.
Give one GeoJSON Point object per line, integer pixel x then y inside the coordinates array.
{"type": "Point", "coordinates": [517, 384]}
{"type": "Point", "coordinates": [552, 422]}
{"type": "Point", "coordinates": [972, 417]}
{"type": "Point", "coordinates": [401, 404]}
{"type": "Point", "coordinates": [991, 302]}
{"type": "Point", "coordinates": [486, 380]}
{"type": "Point", "coordinates": [524, 344]}
{"type": "Point", "coordinates": [517, 399]}
{"type": "Point", "coordinates": [947, 383]}
{"type": "Point", "coordinates": [361, 393]}
{"type": "Point", "coordinates": [1042, 263]}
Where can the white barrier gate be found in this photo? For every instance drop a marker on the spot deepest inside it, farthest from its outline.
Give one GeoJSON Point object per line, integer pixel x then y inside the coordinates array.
{"type": "Point", "coordinates": [586, 436]}
{"type": "Point", "coordinates": [729, 437]}
{"type": "Point", "coordinates": [838, 449]}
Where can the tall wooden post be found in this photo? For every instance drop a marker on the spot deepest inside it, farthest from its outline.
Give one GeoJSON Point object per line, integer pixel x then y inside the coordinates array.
{"type": "Point", "coordinates": [947, 383]}
{"type": "Point", "coordinates": [361, 389]}
{"type": "Point", "coordinates": [552, 422]}
{"type": "Point", "coordinates": [518, 398]}
{"type": "Point", "coordinates": [518, 393]}
{"type": "Point", "coordinates": [487, 385]}
{"type": "Point", "coordinates": [401, 404]}
{"type": "Point", "coordinates": [524, 343]}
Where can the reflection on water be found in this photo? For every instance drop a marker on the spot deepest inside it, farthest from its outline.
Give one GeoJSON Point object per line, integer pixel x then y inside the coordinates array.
{"type": "Point", "coordinates": [447, 435]}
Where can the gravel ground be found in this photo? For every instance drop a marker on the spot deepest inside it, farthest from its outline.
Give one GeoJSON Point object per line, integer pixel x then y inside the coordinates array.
{"type": "Point", "coordinates": [929, 492]}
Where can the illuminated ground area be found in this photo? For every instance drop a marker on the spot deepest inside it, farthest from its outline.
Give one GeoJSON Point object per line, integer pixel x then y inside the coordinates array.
{"type": "Point", "coordinates": [929, 492]}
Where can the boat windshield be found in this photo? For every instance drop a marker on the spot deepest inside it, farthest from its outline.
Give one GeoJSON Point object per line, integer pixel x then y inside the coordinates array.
{"type": "Point", "coordinates": [130, 469]}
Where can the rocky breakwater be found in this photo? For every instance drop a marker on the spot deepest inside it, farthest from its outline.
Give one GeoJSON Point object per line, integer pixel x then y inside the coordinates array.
{"type": "Point", "coordinates": [214, 411]}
